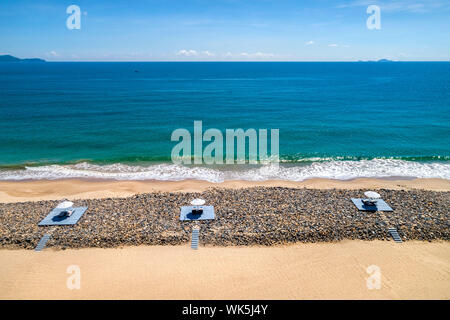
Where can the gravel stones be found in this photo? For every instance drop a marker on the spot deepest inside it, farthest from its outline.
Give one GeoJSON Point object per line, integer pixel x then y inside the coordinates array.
{"type": "Point", "coordinates": [251, 216]}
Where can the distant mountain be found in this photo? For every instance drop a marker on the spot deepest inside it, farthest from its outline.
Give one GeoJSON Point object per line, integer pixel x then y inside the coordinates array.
{"type": "Point", "coordinates": [381, 60]}
{"type": "Point", "coordinates": [10, 58]}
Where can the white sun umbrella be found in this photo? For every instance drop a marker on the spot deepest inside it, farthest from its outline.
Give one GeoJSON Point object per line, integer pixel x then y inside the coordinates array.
{"type": "Point", "coordinates": [65, 205]}
{"type": "Point", "coordinates": [198, 202]}
{"type": "Point", "coordinates": [372, 195]}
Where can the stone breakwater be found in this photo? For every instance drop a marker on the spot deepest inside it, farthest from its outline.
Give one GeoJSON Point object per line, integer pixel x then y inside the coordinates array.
{"type": "Point", "coordinates": [253, 216]}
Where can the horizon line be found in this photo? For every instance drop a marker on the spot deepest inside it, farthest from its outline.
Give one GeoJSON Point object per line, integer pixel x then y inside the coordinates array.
{"type": "Point", "coordinates": [227, 61]}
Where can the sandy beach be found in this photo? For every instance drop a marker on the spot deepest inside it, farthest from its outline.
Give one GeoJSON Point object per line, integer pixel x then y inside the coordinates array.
{"type": "Point", "coordinates": [305, 251]}
{"type": "Point", "coordinates": [19, 191]}
{"type": "Point", "coordinates": [412, 270]}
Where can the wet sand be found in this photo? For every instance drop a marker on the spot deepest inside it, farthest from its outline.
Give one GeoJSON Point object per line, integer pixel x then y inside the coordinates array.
{"type": "Point", "coordinates": [412, 270]}
{"type": "Point", "coordinates": [20, 191]}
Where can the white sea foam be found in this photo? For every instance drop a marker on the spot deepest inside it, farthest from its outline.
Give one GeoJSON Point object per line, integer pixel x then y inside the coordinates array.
{"type": "Point", "coordinates": [342, 170]}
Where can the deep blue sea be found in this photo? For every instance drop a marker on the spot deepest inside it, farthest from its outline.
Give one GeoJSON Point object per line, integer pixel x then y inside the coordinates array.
{"type": "Point", "coordinates": [114, 120]}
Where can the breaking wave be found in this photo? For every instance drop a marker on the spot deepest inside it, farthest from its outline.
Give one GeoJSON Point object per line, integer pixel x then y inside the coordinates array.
{"type": "Point", "coordinates": [332, 169]}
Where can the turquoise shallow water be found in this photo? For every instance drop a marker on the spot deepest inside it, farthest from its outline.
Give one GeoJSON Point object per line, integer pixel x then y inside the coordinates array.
{"type": "Point", "coordinates": [114, 120]}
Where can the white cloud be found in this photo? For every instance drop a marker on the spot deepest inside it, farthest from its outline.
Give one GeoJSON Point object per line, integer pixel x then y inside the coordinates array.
{"type": "Point", "coordinates": [208, 54]}
{"type": "Point", "coordinates": [195, 53]}
{"type": "Point", "coordinates": [309, 43]}
{"type": "Point", "coordinates": [258, 55]}
{"type": "Point", "coordinates": [52, 54]}
{"type": "Point", "coordinates": [335, 45]}
{"type": "Point", "coordinates": [187, 53]}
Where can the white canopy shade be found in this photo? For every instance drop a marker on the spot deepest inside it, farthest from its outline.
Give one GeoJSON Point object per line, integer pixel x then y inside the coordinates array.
{"type": "Point", "coordinates": [372, 194]}
{"type": "Point", "coordinates": [198, 202]}
{"type": "Point", "coordinates": [65, 205]}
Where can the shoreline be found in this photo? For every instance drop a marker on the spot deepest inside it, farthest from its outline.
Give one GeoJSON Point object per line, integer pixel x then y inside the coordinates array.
{"type": "Point", "coordinates": [412, 270]}
{"type": "Point", "coordinates": [77, 189]}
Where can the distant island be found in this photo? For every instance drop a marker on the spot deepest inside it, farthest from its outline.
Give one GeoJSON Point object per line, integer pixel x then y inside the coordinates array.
{"type": "Point", "coordinates": [9, 58]}
{"type": "Point", "coordinates": [381, 60]}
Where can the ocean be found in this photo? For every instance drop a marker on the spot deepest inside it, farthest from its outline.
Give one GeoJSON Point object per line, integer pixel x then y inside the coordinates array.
{"type": "Point", "coordinates": [338, 120]}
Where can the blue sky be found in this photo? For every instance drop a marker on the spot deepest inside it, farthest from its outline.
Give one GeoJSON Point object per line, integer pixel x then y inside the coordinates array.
{"type": "Point", "coordinates": [225, 30]}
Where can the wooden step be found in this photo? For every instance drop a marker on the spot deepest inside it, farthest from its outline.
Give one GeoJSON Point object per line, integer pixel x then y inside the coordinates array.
{"type": "Point", "coordinates": [394, 233]}
{"type": "Point", "coordinates": [42, 242]}
{"type": "Point", "coordinates": [194, 241]}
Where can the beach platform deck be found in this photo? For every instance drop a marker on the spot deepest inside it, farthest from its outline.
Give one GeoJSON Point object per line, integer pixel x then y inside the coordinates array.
{"type": "Point", "coordinates": [52, 218]}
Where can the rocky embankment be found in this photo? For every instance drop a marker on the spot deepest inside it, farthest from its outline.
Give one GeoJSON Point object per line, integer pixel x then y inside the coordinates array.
{"type": "Point", "coordinates": [253, 216]}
